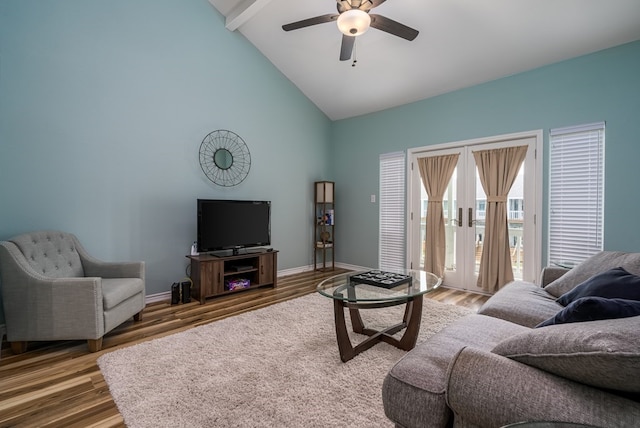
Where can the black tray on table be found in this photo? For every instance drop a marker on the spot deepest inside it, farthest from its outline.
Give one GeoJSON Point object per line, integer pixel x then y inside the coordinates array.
{"type": "Point", "coordinates": [380, 278]}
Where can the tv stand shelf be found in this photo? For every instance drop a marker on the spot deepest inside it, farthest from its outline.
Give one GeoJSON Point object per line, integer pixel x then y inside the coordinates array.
{"type": "Point", "coordinates": [210, 274]}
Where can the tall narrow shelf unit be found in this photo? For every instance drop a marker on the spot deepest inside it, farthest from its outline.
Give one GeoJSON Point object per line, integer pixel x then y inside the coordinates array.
{"type": "Point", "coordinates": [324, 226]}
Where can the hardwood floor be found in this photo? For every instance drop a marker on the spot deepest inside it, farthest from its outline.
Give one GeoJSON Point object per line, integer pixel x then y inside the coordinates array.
{"type": "Point", "coordinates": [60, 384]}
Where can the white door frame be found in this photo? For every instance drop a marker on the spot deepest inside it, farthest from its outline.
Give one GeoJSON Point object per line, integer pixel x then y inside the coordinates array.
{"type": "Point", "coordinates": [533, 273]}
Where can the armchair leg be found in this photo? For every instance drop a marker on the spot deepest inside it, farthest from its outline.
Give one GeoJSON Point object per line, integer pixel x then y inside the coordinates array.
{"type": "Point", "coordinates": [95, 345]}
{"type": "Point", "coordinates": [138, 316]}
{"type": "Point", "coordinates": [19, 347]}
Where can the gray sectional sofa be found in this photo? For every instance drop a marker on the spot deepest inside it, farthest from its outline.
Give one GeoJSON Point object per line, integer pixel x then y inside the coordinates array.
{"type": "Point", "coordinates": [495, 368]}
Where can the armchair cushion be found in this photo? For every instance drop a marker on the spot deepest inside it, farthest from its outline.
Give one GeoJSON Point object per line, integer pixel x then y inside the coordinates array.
{"type": "Point", "coordinates": [603, 353]}
{"type": "Point", "coordinates": [117, 290]}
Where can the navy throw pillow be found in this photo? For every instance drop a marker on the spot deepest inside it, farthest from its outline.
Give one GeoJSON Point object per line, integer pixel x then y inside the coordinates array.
{"type": "Point", "coordinates": [616, 283]}
{"type": "Point", "coordinates": [594, 309]}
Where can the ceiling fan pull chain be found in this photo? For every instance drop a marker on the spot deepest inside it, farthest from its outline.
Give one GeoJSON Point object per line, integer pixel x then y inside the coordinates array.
{"type": "Point", "coordinates": [353, 64]}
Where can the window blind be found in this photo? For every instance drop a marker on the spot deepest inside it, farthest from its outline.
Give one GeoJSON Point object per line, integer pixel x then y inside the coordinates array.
{"type": "Point", "coordinates": [576, 193]}
{"type": "Point", "coordinates": [391, 249]}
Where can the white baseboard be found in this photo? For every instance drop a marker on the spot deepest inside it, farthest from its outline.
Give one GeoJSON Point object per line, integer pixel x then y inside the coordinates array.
{"type": "Point", "coordinates": [352, 267]}
{"type": "Point", "coordinates": [158, 297]}
{"type": "Point", "coordinates": [293, 271]}
{"type": "Point", "coordinates": [309, 268]}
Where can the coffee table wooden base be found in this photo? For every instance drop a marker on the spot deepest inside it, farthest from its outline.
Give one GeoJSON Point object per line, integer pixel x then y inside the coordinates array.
{"type": "Point", "coordinates": [410, 321]}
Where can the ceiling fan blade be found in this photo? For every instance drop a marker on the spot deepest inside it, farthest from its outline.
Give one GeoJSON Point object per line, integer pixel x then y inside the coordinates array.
{"type": "Point", "coordinates": [392, 27]}
{"type": "Point", "coordinates": [347, 47]}
{"type": "Point", "coordinates": [311, 21]}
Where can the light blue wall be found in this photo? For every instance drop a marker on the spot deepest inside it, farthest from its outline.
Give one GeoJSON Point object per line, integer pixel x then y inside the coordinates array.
{"type": "Point", "coordinates": [103, 106]}
{"type": "Point", "coordinates": [601, 86]}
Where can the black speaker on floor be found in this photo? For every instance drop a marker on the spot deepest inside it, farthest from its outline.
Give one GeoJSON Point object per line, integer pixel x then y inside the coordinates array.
{"type": "Point", "coordinates": [175, 293]}
{"type": "Point", "coordinates": [186, 292]}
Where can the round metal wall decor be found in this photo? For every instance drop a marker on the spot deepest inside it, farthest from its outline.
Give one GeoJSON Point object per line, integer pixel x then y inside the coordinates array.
{"type": "Point", "coordinates": [225, 158]}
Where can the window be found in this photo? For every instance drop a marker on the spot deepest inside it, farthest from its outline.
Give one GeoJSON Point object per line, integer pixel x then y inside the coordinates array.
{"type": "Point", "coordinates": [391, 249]}
{"type": "Point", "coordinates": [576, 193]}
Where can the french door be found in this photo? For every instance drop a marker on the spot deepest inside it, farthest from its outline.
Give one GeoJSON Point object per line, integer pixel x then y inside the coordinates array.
{"type": "Point", "coordinates": [464, 206]}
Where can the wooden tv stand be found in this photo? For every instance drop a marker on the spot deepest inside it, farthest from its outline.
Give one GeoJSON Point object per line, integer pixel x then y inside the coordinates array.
{"type": "Point", "coordinates": [210, 273]}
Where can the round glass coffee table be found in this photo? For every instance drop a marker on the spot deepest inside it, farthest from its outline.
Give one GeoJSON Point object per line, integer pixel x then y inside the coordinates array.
{"type": "Point", "coordinates": [375, 289]}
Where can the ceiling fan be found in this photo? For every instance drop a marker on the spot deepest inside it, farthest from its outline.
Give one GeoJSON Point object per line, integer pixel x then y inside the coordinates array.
{"type": "Point", "coordinates": [353, 19]}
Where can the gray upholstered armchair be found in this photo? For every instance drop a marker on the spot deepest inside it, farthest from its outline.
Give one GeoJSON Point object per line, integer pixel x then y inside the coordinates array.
{"type": "Point", "coordinates": [53, 290]}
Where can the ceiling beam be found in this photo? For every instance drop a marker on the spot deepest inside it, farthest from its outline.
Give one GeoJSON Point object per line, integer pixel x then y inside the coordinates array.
{"type": "Point", "coordinates": [243, 12]}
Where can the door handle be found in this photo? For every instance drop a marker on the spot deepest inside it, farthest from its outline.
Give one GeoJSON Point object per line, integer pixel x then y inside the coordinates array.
{"type": "Point", "coordinates": [471, 217]}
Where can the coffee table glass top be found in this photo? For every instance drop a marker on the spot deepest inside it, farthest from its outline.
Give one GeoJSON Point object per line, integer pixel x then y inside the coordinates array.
{"type": "Point", "coordinates": [379, 286]}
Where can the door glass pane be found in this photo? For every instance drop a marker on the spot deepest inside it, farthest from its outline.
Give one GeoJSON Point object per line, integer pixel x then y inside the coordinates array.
{"type": "Point", "coordinates": [479, 217]}
{"type": "Point", "coordinates": [515, 218]}
{"type": "Point", "coordinates": [450, 207]}
{"type": "Point", "coordinates": [423, 222]}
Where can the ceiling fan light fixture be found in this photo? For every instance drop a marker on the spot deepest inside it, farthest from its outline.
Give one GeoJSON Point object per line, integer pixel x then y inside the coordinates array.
{"type": "Point", "coordinates": [353, 22]}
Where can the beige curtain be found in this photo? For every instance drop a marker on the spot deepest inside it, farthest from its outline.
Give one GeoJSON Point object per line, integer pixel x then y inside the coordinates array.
{"type": "Point", "coordinates": [498, 170]}
{"type": "Point", "coordinates": [436, 171]}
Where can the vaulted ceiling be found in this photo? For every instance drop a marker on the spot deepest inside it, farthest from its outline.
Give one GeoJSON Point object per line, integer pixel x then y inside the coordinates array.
{"type": "Point", "coordinates": [460, 43]}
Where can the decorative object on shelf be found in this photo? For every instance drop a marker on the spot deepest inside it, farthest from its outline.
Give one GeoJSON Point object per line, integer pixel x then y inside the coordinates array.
{"type": "Point", "coordinates": [321, 244]}
{"type": "Point", "coordinates": [324, 232]}
{"type": "Point", "coordinates": [225, 158]}
{"type": "Point", "coordinates": [236, 284]}
{"type": "Point", "coordinates": [328, 218]}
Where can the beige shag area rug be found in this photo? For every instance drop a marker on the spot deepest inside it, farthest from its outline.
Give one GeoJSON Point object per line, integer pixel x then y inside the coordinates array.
{"type": "Point", "coordinates": [274, 367]}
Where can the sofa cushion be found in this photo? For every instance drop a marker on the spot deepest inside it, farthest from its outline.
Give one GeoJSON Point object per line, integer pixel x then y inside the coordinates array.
{"type": "Point", "coordinates": [488, 390]}
{"type": "Point", "coordinates": [414, 389]}
{"type": "Point", "coordinates": [594, 308]}
{"type": "Point", "coordinates": [522, 303]}
{"type": "Point", "coordinates": [614, 283]}
{"type": "Point", "coordinates": [603, 353]}
{"type": "Point", "coordinates": [594, 265]}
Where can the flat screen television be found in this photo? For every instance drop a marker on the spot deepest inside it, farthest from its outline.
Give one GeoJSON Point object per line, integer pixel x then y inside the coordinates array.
{"type": "Point", "coordinates": [233, 224]}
